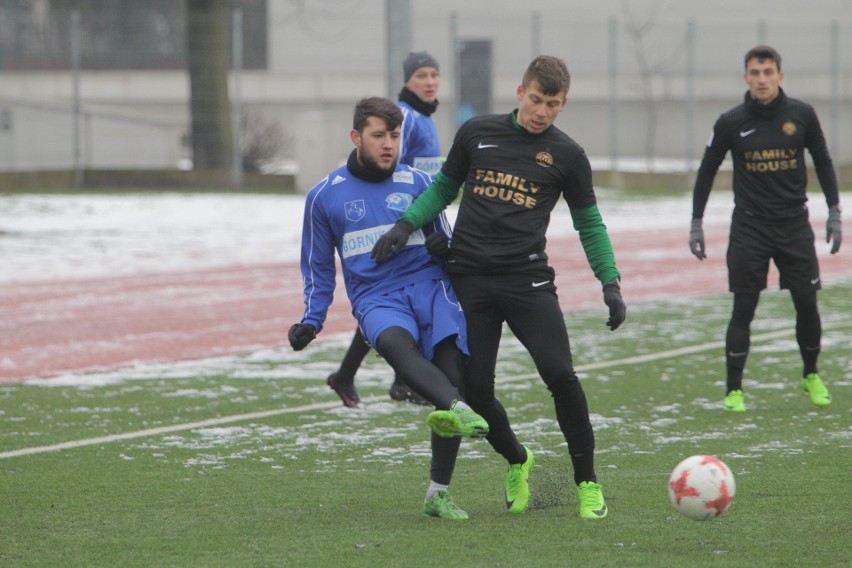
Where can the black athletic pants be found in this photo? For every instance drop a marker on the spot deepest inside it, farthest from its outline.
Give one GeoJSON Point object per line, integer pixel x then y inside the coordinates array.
{"type": "Point", "coordinates": [528, 303]}
{"type": "Point", "coordinates": [439, 381]}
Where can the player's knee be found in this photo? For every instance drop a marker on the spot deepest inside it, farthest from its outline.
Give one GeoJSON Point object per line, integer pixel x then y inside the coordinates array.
{"type": "Point", "coordinates": [479, 397]}
{"type": "Point", "coordinates": [563, 384]}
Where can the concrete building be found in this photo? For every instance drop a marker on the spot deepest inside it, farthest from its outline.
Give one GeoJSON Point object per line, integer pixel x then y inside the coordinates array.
{"type": "Point", "coordinates": [649, 78]}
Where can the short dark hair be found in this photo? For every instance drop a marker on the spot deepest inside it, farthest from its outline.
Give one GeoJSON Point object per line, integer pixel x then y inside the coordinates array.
{"type": "Point", "coordinates": [378, 107]}
{"type": "Point", "coordinates": [762, 52]}
{"type": "Point", "coordinates": [550, 73]}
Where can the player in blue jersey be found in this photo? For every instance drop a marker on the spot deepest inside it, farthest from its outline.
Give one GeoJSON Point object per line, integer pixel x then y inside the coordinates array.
{"type": "Point", "coordinates": [418, 99]}
{"type": "Point", "coordinates": [407, 309]}
{"type": "Point", "coordinates": [419, 147]}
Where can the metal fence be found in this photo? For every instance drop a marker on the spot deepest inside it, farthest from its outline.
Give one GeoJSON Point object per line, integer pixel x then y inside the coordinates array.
{"type": "Point", "coordinates": [647, 85]}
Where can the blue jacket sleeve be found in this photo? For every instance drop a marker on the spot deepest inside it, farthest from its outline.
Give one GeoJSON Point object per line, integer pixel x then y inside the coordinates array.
{"type": "Point", "coordinates": [317, 263]}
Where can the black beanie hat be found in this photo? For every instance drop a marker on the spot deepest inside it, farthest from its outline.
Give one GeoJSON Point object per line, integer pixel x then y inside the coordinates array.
{"type": "Point", "coordinates": [415, 61]}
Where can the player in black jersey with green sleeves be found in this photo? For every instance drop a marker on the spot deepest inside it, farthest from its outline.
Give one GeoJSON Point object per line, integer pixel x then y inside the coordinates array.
{"type": "Point", "coordinates": [767, 135]}
{"type": "Point", "coordinates": [514, 168]}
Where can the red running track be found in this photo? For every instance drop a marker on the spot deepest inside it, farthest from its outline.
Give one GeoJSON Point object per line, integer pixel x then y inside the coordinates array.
{"type": "Point", "coordinates": [50, 328]}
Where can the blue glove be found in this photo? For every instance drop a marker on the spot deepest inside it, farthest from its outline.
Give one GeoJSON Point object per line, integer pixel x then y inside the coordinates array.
{"type": "Point", "coordinates": [300, 335]}
{"type": "Point", "coordinates": [617, 307]}
{"type": "Point", "coordinates": [438, 245]}
{"type": "Point", "coordinates": [392, 241]}
{"type": "Point", "coordinates": [833, 229]}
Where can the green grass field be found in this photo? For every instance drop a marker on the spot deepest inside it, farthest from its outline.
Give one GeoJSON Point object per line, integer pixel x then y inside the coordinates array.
{"type": "Point", "coordinates": [252, 461]}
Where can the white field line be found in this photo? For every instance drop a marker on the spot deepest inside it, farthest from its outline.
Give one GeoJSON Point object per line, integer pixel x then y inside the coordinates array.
{"type": "Point", "coordinates": [332, 404]}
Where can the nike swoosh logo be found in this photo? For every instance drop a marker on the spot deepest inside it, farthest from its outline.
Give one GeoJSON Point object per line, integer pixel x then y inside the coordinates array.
{"type": "Point", "coordinates": [482, 146]}
{"type": "Point", "coordinates": [815, 281]}
{"type": "Point", "coordinates": [600, 512]}
{"type": "Point", "coordinates": [742, 354]}
{"type": "Point", "coordinates": [539, 284]}
{"type": "Point", "coordinates": [744, 133]}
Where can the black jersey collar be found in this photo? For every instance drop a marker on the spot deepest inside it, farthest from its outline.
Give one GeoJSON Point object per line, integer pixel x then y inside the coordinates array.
{"type": "Point", "coordinates": [363, 172]}
{"type": "Point", "coordinates": [418, 104]}
{"type": "Point", "coordinates": [771, 109]}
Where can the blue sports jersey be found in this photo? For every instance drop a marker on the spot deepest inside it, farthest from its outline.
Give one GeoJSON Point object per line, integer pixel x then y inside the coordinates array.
{"type": "Point", "coordinates": [419, 145]}
{"type": "Point", "coordinates": [347, 214]}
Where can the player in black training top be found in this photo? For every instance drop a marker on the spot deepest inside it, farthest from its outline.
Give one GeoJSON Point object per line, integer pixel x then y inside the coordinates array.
{"type": "Point", "coordinates": [767, 135]}
{"type": "Point", "coordinates": [514, 168]}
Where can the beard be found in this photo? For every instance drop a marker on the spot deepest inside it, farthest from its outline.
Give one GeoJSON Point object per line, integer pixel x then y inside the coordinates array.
{"type": "Point", "coordinates": [372, 166]}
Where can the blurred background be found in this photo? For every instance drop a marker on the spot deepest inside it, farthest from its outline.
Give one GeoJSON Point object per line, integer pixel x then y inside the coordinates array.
{"type": "Point", "coordinates": [259, 93]}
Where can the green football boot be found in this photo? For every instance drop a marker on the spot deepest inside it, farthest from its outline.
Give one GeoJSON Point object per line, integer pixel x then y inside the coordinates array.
{"type": "Point", "coordinates": [592, 505]}
{"type": "Point", "coordinates": [441, 505]}
{"type": "Point", "coordinates": [517, 488]}
{"type": "Point", "coordinates": [457, 422]}
{"type": "Point", "coordinates": [734, 401]}
{"type": "Point", "coordinates": [812, 385]}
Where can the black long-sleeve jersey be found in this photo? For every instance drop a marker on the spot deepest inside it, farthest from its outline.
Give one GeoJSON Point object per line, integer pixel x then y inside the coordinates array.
{"type": "Point", "coordinates": [512, 181]}
{"type": "Point", "coordinates": [767, 144]}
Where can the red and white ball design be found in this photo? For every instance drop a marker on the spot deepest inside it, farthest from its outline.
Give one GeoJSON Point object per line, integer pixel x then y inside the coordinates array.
{"type": "Point", "coordinates": [701, 487]}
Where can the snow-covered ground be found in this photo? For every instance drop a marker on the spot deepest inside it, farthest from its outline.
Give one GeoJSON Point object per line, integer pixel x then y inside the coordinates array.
{"type": "Point", "coordinates": [59, 237]}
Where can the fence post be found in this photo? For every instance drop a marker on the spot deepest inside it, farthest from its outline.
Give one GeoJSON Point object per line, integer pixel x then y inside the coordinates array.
{"type": "Point", "coordinates": [690, 100]}
{"type": "Point", "coordinates": [398, 13]}
{"type": "Point", "coordinates": [535, 32]}
{"type": "Point", "coordinates": [834, 59]}
{"type": "Point", "coordinates": [237, 106]}
{"type": "Point", "coordinates": [613, 103]}
{"type": "Point", "coordinates": [76, 59]}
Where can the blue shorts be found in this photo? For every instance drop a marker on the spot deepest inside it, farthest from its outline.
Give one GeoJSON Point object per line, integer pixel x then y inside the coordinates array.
{"type": "Point", "coordinates": [428, 310]}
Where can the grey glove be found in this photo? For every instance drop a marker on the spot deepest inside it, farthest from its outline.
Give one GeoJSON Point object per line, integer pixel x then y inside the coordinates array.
{"type": "Point", "coordinates": [615, 303]}
{"type": "Point", "coordinates": [833, 229]}
{"type": "Point", "coordinates": [696, 239]}
{"type": "Point", "coordinates": [392, 241]}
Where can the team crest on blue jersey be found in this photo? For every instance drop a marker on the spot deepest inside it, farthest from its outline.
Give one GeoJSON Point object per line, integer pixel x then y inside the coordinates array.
{"type": "Point", "coordinates": [399, 201]}
{"type": "Point", "coordinates": [355, 210]}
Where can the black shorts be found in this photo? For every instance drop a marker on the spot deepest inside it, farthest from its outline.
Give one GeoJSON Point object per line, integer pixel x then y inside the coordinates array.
{"type": "Point", "coordinates": [754, 242]}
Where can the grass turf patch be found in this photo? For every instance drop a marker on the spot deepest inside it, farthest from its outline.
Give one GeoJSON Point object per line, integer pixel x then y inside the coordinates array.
{"type": "Point", "coordinates": [312, 483]}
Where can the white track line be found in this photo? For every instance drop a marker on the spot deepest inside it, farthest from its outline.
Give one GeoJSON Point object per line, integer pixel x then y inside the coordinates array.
{"type": "Point", "coordinates": [326, 405]}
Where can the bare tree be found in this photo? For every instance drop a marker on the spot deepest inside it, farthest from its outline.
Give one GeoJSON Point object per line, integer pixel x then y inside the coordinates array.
{"type": "Point", "coordinates": [638, 33]}
{"type": "Point", "coordinates": [263, 140]}
{"type": "Point", "coordinates": [208, 63]}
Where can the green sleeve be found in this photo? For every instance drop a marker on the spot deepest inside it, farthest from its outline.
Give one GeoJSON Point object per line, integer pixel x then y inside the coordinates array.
{"type": "Point", "coordinates": [441, 192]}
{"type": "Point", "coordinates": [596, 243]}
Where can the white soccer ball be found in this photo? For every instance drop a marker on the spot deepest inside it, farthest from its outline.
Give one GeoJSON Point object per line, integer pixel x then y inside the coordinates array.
{"type": "Point", "coordinates": [701, 487]}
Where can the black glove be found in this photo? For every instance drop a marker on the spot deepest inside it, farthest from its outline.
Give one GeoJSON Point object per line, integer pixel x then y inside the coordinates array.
{"type": "Point", "coordinates": [696, 239]}
{"type": "Point", "coordinates": [300, 335]}
{"type": "Point", "coordinates": [832, 228]}
{"type": "Point", "coordinates": [438, 245]}
{"type": "Point", "coordinates": [617, 307]}
{"type": "Point", "coordinates": [392, 241]}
